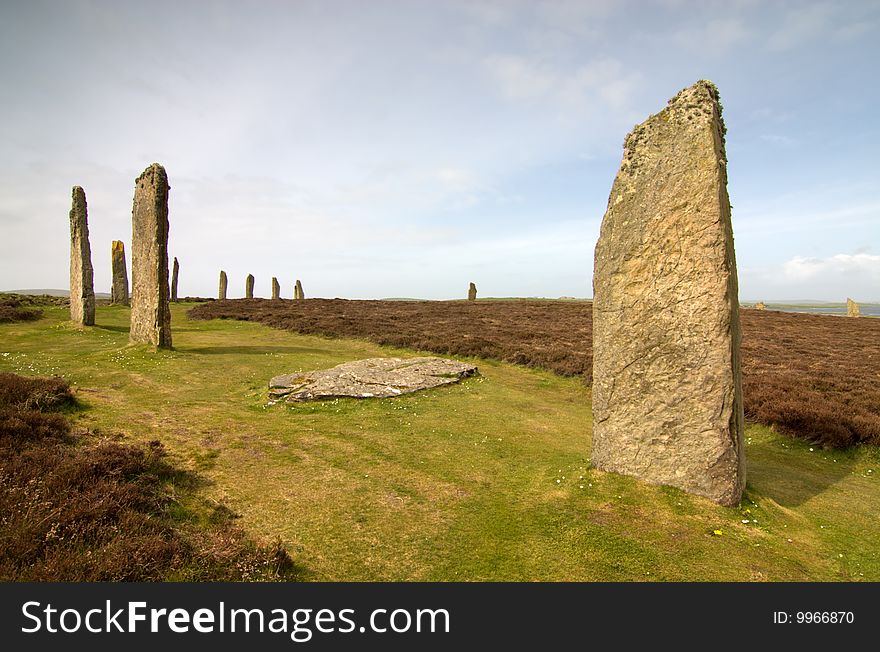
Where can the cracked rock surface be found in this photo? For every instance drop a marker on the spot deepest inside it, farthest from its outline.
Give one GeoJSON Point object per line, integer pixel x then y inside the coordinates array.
{"type": "Point", "coordinates": [370, 378]}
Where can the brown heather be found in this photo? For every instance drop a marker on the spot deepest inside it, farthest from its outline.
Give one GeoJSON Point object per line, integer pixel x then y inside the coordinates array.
{"type": "Point", "coordinates": [812, 376]}
{"type": "Point", "coordinates": [12, 309]}
{"type": "Point", "coordinates": [817, 377]}
{"type": "Point", "coordinates": [76, 506]}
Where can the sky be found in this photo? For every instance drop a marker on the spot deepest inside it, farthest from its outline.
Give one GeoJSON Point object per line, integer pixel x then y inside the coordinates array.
{"type": "Point", "coordinates": [403, 149]}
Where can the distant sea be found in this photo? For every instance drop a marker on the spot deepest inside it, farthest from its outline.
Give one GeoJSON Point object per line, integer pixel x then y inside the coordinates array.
{"type": "Point", "coordinates": [865, 309]}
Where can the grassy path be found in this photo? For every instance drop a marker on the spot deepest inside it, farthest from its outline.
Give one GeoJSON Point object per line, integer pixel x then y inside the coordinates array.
{"type": "Point", "coordinates": [488, 479]}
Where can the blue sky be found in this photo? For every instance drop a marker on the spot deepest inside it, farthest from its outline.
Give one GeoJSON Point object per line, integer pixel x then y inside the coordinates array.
{"type": "Point", "coordinates": [377, 149]}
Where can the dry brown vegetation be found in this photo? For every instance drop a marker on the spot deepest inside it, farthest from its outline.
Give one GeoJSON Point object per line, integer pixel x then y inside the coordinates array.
{"type": "Point", "coordinates": [13, 308]}
{"type": "Point", "coordinates": [75, 506]}
{"type": "Point", "coordinates": [816, 377]}
{"type": "Point", "coordinates": [547, 334]}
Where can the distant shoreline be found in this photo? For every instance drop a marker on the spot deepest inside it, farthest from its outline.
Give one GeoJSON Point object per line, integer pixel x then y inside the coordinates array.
{"type": "Point", "coordinates": [868, 308]}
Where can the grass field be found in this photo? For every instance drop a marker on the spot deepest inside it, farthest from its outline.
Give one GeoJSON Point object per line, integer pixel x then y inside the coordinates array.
{"type": "Point", "coordinates": [814, 376]}
{"type": "Point", "coordinates": [486, 480]}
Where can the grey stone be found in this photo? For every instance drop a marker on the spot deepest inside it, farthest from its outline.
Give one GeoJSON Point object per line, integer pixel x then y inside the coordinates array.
{"type": "Point", "coordinates": [298, 290]}
{"type": "Point", "coordinates": [150, 312]}
{"type": "Point", "coordinates": [175, 269]}
{"type": "Point", "coordinates": [276, 288]}
{"type": "Point", "coordinates": [667, 389]}
{"type": "Point", "coordinates": [249, 287]}
{"type": "Point", "coordinates": [223, 283]}
{"type": "Point", "coordinates": [371, 378]}
{"type": "Point", "coordinates": [82, 285]}
{"type": "Point", "coordinates": [119, 287]}
{"type": "Point", "coordinates": [472, 292]}
{"type": "Point", "coordinates": [852, 308]}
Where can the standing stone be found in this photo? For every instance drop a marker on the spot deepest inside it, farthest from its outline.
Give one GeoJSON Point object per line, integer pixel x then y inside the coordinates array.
{"type": "Point", "coordinates": [667, 390]}
{"type": "Point", "coordinates": [175, 268]}
{"type": "Point", "coordinates": [82, 285]}
{"type": "Point", "coordinates": [472, 292]}
{"type": "Point", "coordinates": [298, 291]}
{"type": "Point", "coordinates": [276, 288]}
{"type": "Point", "coordinates": [852, 308]}
{"type": "Point", "coordinates": [119, 287]}
{"type": "Point", "coordinates": [150, 313]}
{"type": "Point", "coordinates": [223, 282]}
{"type": "Point", "coordinates": [249, 287]}
{"type": "Point", "coordinates": [760, 306]}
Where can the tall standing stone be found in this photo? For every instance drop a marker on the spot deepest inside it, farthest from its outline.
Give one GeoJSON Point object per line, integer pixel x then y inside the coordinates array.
{"type": "Point", "coordinates": [249, 287]}
{"type": "Point", "coordinates": [150, 313]}
{"type": "Point", "coordinates": [119, 286]}
{"type": "Point", "coordinates": [667, 391]}
{"type": "Point", "coordinates": [298, 291]}
{"type": "Point", "coordinates": [472, 292]}
{"type": "Point", "coordinates": [175, 269]}
{"type": "Point", "coordinates": [223, 283]}
{"type": "Point", "coordinates": [276, 288]}
{"type": "Point", "coordinates": [852, 308]}
{"type": "Point", "coordinates": [82, 285]}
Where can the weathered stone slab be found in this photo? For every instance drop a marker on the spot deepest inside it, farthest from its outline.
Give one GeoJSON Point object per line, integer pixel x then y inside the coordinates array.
{"type": "Point", "coordinates": [119, 286]}
{"type": "Point", "coordinates": [472, 292]}
{"type": "Point", "coordinates": [249, 287]}
{"type": "Point", "coordinates": [82, 285]}
{"type": "Point", "coordinates": [175, 269]}
{"type": "Point", "coordinates": [150, 314]}
{"type": "Point", "coordinates": [667, 397]}
{"type": "Point", "coordinates": [223, 283]}
{"type": "Point", "coordinates": [298, 291]}
{"type": "Point", "coordinates": [852, 308]}
{"type": "Point", "coordinates": [276, 288]}
{"type": "Point", "coordinates": [371, 378]}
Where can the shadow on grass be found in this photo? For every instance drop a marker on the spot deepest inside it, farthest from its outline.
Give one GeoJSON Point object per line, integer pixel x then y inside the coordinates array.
{"type": "Point", "coordinates": [115, 329]}
{"type": "Point", "coordinates": [803, 479]}
{"type": "Point", "coordinates": [249, 350]}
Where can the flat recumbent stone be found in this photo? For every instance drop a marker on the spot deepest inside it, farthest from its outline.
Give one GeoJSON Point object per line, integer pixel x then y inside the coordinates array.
{"type": "Point", "coordinates": [370, 378]}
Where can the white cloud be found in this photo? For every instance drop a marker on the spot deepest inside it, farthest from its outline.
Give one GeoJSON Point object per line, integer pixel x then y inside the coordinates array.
{"type": "Point", "coordinates": [861, 266]}
{"type": "Point", "coordinates": [800, 26]}
{"type": "Point", "coordinates": [778, 139]}
{"type": "Point", "coordinates": [519, 78]}
{"type": "Point", "coordinates": [576, 16]}
{"type": "Point", "coordinates": [603, 81]}
{"type": "Point", "coordinates": [794, 212]}
{"type": "Point", "coordinates": [854, 31]}
{"type": "Point", "coordinates": [829, 278]}
{"type": "Point", "coordinates": [715, 37]}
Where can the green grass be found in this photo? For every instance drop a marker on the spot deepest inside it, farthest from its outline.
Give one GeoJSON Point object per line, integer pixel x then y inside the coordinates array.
{"type": "Point", "coordinates": [488, 479]}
